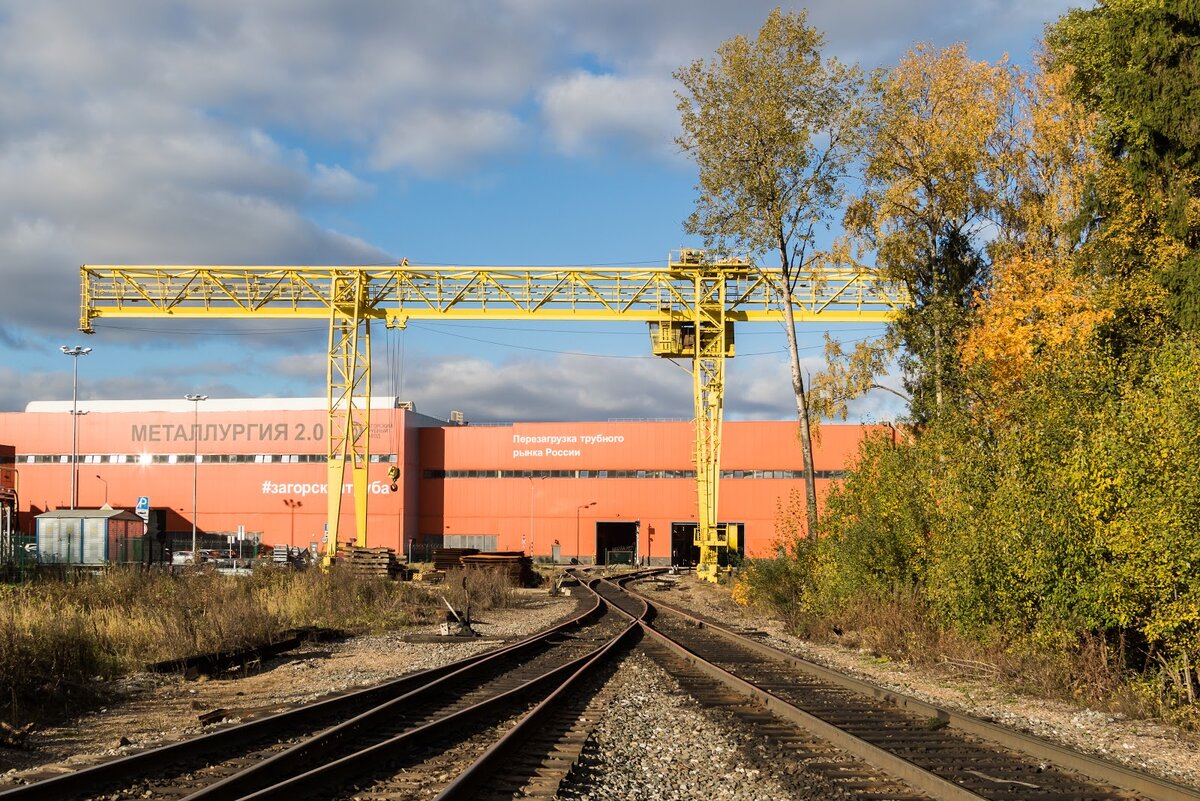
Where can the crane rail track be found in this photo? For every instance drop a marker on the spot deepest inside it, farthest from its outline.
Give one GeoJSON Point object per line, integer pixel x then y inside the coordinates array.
{"type": "Point", "coordinates": [941, 754]}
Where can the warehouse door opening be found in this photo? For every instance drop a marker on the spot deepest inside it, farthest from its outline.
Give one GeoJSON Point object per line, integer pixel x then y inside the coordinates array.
{"type": "Point", "coordinates": [616, 543]}
{"type": "Point", "coordinates": [683, 552]}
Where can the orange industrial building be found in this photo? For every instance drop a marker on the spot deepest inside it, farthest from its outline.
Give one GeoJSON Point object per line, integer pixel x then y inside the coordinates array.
{"type": "Point", "coordinates": [554, 490]}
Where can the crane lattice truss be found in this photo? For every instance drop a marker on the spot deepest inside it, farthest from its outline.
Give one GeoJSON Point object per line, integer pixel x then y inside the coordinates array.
{"type": "Point", "coordinates": [691, 305]}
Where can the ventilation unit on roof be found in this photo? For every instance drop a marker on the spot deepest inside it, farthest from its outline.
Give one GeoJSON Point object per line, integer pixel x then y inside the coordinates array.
{"type": "Point", "coordinates": [457, 418]}
{"type": "Point", "coordinates": [406, 405]}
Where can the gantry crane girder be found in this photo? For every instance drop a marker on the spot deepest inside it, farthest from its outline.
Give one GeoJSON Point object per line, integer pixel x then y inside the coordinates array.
{"type": "Point", "coordinates": [691, 305]}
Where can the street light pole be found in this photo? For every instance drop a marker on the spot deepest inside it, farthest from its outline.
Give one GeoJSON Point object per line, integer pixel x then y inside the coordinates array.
{"type": "Point", "coordinates": [74, 353]}
{"type": "Point", "coordinates": [292, 505]}
{"type": "Point", "coordinates": [105, 489]}
{"type": "Point", "coordinates": [578, 509]}
{"type": "Point", "coordinates": [195, 399]}
{"type": "Point", "coordinates": [531, 498]}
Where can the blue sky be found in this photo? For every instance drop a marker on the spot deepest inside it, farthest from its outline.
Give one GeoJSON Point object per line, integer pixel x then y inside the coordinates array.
{"type": "Point", "coordinates": [282, 132]}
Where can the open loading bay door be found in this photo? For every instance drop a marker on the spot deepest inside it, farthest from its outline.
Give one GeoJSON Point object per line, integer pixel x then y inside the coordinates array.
{"type": "Point", "coordinates": [616, 543]}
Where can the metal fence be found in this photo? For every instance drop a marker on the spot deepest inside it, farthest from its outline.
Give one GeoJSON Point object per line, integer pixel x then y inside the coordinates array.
{"type": "Point", "coordinates": [18, 556]}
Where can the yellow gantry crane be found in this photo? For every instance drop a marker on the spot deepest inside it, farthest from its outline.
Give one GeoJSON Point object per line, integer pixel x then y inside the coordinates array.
{"type": "Point", "coordinates": [691, 305]}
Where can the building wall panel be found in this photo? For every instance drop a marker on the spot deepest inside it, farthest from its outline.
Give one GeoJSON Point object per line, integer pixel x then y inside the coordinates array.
{"type": "Point", "coordinates": [524, 468]}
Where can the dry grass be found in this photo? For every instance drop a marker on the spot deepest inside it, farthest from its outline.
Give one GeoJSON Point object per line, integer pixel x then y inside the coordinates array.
{"type": "Point", "coordinates": [483, 588]}
{"type": "Point", "coordinates": [58, 637]}
{"type": "Point", "coordinates": [901, 627]}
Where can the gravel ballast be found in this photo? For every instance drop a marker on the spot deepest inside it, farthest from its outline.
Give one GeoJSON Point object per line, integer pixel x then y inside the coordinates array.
{"type": "Point", "coordinates": [1145, 745]}
{"type": "Point", "coordinates": [657, 742]}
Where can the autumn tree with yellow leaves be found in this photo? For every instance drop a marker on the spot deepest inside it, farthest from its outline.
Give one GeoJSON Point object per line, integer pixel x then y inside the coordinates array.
{"type": "Point", "coordinates": [773, 127]}
{"type": "Point", "coordinates": [937, 161]}
{"type": "Point", "coordinates": [1045, 499]}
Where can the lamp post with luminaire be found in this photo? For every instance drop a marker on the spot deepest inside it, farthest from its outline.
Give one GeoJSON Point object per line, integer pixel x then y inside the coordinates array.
{"type": "Point", "coordinates": [74, 353]}
{"type": "Point", "coordinates": [293, 505]}
{"type": "Point", "coordinates": [105, 483]}
{"type": "Point", "coordinates": [531, 498]}
{"type": "Point", "coordinates": [195, 399]}
{"type": "Point", "coordinates": [578, 509]}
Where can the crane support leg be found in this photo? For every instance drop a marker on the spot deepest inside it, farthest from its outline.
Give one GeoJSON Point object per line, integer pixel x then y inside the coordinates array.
{"type": "Point", "coordinates": [712, 344]}
{"type": "Point", "coordinates": [349, 405]}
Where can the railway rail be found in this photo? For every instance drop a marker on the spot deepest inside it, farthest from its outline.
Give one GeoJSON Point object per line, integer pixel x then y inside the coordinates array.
{"type": "Point", "coordinates": [513, 721]}
{"type": "Point", "coordinates": [340, 740]}
{"type": "Point", "coordinates": [938, 753]}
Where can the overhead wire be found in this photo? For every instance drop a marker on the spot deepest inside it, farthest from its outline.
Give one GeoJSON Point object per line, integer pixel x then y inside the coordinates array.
{"type": "Point", "coordinates": [609, 355]}
{"type": "Point", "coordinates": [395, 359]}
{"type": "Point", "coordinates": [211, 332]}
{"type": "Point", "coordinates": [432, 324]}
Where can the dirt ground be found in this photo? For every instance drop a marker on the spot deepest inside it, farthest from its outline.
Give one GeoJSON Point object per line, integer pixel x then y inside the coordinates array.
{"type": "Point", "coordinates": [154, 709]}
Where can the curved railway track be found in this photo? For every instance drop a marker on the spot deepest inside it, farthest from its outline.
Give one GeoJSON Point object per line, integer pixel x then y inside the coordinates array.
{"type": "Point", "coordinates": [349, 735]}
{"type": "Point", "coordinates": [937, 753]}
{"type": "Point", "coordinates": [512, 722]}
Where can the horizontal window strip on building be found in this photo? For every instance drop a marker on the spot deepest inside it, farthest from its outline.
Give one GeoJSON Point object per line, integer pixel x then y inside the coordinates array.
{"type": "Point", "coordinates": [180, 458]}
{"type": "Point", "coordinates": [683, 474]}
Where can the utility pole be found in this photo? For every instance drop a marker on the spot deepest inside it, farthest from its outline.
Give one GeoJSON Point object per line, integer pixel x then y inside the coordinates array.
{"type": "Point", "coordinates": [531, 504]}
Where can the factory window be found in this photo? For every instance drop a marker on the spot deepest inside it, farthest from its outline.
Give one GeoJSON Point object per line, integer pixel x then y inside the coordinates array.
{"type": "Point", "coordinates": [185, 458]}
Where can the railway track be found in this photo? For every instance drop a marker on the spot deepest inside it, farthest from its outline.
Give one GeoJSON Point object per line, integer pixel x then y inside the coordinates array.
{"type": "Point", "coordinates": [513, 722]}
{"type": "Point", "coordinates": [938, 754]}
{"type": "Point", "coordinates": [332, 743]}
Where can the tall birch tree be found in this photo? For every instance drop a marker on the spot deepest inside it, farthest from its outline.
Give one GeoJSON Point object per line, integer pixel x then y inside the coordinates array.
{"type": "Point", "coordinates": [773, 128]}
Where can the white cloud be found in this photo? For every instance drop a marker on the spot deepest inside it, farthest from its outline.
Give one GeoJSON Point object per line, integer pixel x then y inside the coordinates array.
{"type": "Point", "coordinates": [210, 131]}
{"type": "Point", "coordinates": [432, 142]}
{"type": "Point", "coordinates": [560, 388]}
{"type": "Point", "coordinates": [336, 183]}
{"type": "Point", "coordinates": [568, 387]}
{"type": "Point", "coordinates": [582, 109]}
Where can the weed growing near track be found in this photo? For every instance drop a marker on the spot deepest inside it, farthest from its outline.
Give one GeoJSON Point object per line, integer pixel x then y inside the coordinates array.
{"type": "Point", "coordinates": [60, 639]}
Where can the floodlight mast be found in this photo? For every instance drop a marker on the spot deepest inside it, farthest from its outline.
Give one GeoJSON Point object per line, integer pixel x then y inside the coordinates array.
{"type": "Point", "coordinates": [75, 353]}
{"type": "Point", "coordinates": [195, 401]}
{"type": "Point", "coordinates": [691, 305]}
